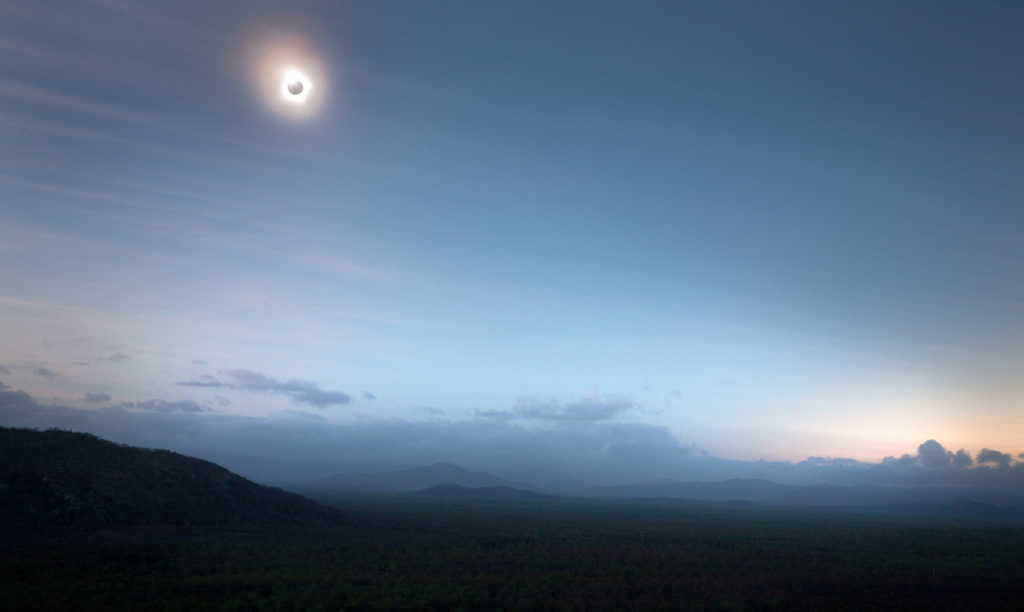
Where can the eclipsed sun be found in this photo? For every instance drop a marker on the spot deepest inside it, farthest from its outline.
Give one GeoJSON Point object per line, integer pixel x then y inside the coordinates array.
{"type": "Point", "coordinates": [295, 86]}
{"type": "Point", "coordinates": [288, 74]}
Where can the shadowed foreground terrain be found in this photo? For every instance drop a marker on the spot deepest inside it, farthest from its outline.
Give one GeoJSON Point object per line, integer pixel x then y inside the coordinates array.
{"type": "Point", "coordinates": [407, 552]}
{"type": "Point", "coordinates": [63, 478]}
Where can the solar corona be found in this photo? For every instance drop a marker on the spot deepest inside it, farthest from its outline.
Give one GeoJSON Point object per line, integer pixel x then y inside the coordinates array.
{"type": "Point", "coordinates": [288, 75]}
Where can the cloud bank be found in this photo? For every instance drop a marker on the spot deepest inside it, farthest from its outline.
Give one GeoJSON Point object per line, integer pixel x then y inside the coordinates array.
{"type": "Point", "coordinates": [552, 445]}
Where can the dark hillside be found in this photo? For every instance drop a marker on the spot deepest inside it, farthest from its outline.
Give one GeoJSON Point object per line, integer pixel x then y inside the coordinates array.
{"type": "Point", "coordinates": [64, 478]}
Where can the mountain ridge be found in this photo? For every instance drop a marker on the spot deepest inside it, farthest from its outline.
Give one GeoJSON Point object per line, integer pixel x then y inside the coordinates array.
{"type": "Point", "coordinates": [60, 477]}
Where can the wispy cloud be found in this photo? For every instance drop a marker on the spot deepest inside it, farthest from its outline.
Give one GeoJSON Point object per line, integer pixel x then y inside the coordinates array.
{"type": "Point", "coordinates": [585, 410]}
{"type": "Point", "coordinates": [165, 406]}
{"type": "Point", "coordinates": [96, 398]}
{"type": "Point", "coordinates": [204, 380]}
{"type": "Point", "coordinates": [116, 358]}
{"type": "Point", "coordinates": [38, 95]}
{"type": "Point", "coordinates": [46, 373]}
{"type": "Point", "coordinates": [301, 391]}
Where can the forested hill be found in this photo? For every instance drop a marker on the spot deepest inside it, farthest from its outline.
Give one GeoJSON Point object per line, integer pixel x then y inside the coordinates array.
{"type": "Point", "coordinates": [63, 478]}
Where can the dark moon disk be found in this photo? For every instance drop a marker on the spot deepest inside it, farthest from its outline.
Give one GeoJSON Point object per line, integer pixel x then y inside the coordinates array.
{"type": "Point", "coordinates": [295, 88]}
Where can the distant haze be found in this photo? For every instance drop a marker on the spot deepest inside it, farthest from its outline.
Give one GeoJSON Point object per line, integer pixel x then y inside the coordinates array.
{"type": "Point", "coordinates": [295, 446]}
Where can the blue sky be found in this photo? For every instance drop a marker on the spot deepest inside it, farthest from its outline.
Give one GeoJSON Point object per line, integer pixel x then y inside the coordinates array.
{"type": "Point", "coordinates": [766, 230]}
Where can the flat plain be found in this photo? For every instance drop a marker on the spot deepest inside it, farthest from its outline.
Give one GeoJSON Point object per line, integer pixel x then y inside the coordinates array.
{"type": "Point", "coordinates": [405, 552]}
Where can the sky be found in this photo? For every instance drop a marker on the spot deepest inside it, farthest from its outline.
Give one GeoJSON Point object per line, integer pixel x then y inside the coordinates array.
{"type": "Point", "coordinates": [623, 239]}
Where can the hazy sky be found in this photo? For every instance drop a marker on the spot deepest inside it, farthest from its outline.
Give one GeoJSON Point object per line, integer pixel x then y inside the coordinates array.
{"type": "Point", "coordinates": [757, 230]}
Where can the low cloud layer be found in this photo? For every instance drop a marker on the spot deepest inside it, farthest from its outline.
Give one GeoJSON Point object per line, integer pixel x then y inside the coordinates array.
{"type": "Point", "coordinates": [931, 455]}
{"type": "Point", "coordinates": [301, 391]}
{"type": "Point", "coordinates": [553, 445]}
{"type": "Point", "coordinates": [294, 446]}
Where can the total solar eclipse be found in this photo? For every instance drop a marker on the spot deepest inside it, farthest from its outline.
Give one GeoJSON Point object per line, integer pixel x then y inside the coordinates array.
{"type": "Point", "coordinates": [287, 73]}
{"type": "Point", "coordinates": [295, 86]}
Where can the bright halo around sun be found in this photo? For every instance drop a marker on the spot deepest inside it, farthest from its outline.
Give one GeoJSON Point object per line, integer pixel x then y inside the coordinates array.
{"type": "Point", "coordinates": [288, 74]}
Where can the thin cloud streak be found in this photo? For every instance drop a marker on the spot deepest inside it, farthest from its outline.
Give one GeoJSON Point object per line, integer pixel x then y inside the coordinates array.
{"type": "Point", "coordinates": [37, 95]}
{"type": "Point", "coordinates": [301, 391]}
{"type": "Point", "coordinates": [585, 410]}
{"type": "Point", "coordinates": [164, 406]}
{"type": "Point", "coordinates": [142, 145]}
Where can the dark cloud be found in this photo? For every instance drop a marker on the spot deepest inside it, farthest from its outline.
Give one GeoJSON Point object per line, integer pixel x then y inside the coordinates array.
{"type": "Point", "coordinates": [301, 391]}
{"type": "Point", "coordinates": [934, 465]}
{"type": "Point", "coordinates": [96, 398]}
{"type": "Point", "coordinates": [159, 405]}
{"type": "Point", "coordinates": [204, 381]}
{"type": "Point", "coordinates": [369, 396]}
{"type": "Point", "coordinates": [933, 455]}
{"type": "Point", "coordinates": [902, 461]}
{"type": "Point", "coordinates": [994, 457]}
{"type": "Point", "coordinates": [116, 358]}
{"type": "Point", "coordinates": [17, 403]}
{"type": "Point", "coordinates": [4, 370]}
{"type": "Point", "coordinates": [45, 373]}
{"type": "Point", "coordinates": [962, 459]}
{"type": "Point", "coordinates": [586, 410]}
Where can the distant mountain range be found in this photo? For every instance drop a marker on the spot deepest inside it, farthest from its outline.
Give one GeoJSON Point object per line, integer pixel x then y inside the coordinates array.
{"type": "Point", "coordinates": [63, 478]}
{"type": "Point", "coordinates": [407, 480]}
{"type": "Point", "coordinates": [446, 480]}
